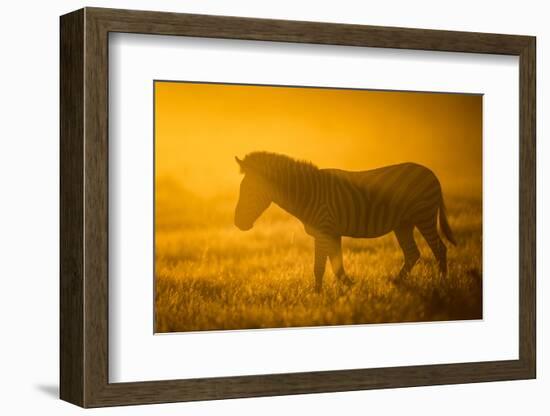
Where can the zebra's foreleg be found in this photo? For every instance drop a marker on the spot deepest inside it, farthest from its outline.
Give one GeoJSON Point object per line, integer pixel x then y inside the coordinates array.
{"type": "Point", "coordinates": [321, 252]}
{"type": "Point", "coordinates": [405, 238]}
{"type": "Point", "coordinates": [337, 262]}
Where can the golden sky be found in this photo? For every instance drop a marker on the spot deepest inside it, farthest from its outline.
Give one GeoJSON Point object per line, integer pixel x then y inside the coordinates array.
{"type": "Point", "coordinates": [199, 128]}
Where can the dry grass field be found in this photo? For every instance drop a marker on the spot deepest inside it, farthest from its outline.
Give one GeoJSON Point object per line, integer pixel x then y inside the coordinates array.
{"type": "Point", "coordinates": [211, 276]}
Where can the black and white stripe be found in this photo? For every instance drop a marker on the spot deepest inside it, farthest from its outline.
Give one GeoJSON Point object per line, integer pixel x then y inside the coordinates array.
{"type": "Point", "coordinates": [333, 203]}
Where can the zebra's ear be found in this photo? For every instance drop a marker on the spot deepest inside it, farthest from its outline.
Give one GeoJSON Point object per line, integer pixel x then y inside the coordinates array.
{"type": "Point", "coordinates": [240, 163]}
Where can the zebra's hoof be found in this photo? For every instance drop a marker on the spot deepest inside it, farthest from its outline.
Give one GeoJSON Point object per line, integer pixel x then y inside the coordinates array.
{"type": "Point", "coordinates": [346, 281]}
{"type": "Point", "coordinates": [400, 278]}
{"type": "Point", "coordinates": [349, 283]}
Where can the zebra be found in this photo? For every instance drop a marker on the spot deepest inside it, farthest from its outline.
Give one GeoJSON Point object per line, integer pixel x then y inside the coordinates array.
{"type": "Point", "coordinates": [332, 203]}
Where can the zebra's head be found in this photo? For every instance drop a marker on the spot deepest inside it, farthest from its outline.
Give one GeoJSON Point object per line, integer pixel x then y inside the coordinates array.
{"type": "Point", "coordinates": [254, 197]}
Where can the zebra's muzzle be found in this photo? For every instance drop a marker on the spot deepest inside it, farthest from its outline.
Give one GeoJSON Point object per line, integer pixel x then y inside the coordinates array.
{"type": "Point", "coordinates": [242, 226]}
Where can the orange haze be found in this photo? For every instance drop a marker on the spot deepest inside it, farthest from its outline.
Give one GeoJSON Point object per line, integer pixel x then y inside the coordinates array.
{"type": "Point", "coordinates": [199, 128]}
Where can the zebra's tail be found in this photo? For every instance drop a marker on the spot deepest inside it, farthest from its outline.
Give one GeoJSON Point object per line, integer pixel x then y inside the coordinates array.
{"type": "Point", "coordinates": [444, 223]}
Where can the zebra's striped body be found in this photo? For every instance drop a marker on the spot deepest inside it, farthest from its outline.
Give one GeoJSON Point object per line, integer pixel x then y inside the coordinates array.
{"type": "Point", "coordinates": [333, 203]}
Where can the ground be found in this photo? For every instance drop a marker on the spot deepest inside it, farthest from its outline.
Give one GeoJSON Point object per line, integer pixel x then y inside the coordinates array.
{"type": "Point", "coordinates": [211, 276]}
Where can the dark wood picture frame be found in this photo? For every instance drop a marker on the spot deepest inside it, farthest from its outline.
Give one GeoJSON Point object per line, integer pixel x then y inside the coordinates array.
{"type": "Point", "coordinates": [84, 207]}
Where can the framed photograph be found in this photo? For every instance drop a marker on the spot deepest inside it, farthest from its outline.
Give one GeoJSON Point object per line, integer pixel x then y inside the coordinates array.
{"type": "Point", "coordinates": [254, 207]}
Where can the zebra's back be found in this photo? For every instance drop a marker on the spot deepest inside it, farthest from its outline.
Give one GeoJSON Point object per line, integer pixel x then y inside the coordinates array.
{"type": "Point", "coordinates": [375, 202]}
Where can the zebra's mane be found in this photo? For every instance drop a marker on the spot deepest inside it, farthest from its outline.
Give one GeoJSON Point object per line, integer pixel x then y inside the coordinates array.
{"type": "Point", "coordinates": [273, 166]}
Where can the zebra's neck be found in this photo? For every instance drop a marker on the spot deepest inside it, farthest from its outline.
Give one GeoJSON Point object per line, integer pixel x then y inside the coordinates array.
{"type": "Point", "coordinates": [298, 192]}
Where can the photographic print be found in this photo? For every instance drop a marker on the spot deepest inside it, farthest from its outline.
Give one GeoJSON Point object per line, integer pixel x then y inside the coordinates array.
{"type": "Point", "coordinates": [288, 206]}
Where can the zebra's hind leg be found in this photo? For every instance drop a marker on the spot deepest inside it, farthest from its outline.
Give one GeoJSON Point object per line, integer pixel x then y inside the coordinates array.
{"type": "Point", "coordinates": [428, 229]}
{"type": "Point", "coordinates": [405, 238]}
{"type": "Point", "coordinates": [337, 262]}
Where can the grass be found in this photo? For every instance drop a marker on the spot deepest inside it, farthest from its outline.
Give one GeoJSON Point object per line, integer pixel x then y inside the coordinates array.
{"type": "Point", "coordinates": [211, 276]}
